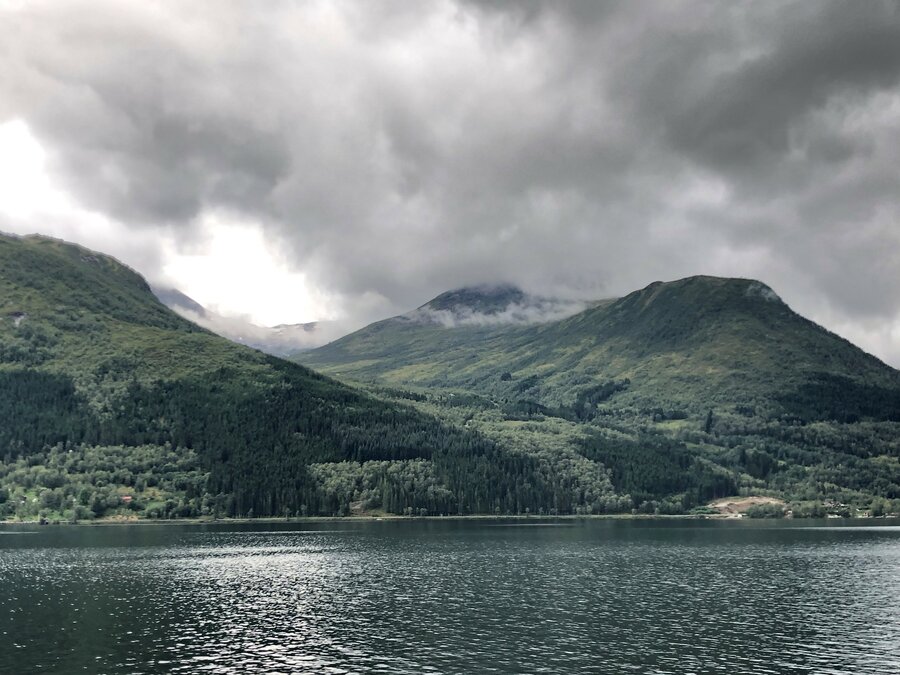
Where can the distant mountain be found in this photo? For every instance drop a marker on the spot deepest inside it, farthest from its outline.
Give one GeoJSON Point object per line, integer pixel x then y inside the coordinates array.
{"type": "Point", "coordinates": [484, 299]}
{"type": "Point", "coordinates": [280, 340]}
{"type": "Point", "coordinates": [695, 343]}
{"type": "Point", "coordinates": [179, 302]}
{"type": "Point", "coordinates": [443, 341]}
{"type": "Point", "coordinates": [491, 305]}
{"type": "Point", "coordinates": [473, 306]}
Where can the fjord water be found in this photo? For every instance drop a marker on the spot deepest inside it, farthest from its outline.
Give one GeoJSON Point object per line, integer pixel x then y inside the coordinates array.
{"type": "Point", "coordinates": [615, 596]}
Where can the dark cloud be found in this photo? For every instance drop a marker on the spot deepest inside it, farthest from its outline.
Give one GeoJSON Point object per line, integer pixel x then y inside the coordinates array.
{"type": "Point", "coordinates": [395, 150]}
{"type": "Point", "coordinates": [747, 117]}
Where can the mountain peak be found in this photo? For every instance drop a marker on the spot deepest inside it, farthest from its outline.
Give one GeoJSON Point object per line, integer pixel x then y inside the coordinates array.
{"type": "Point", "coordinates": [491, 304]}
{"type": "Point", "coordinates": [481, 298]}
{"type": "Point", "coordinates": [176, 300]}
{"type": "Point", "coordinates": [703, 292]}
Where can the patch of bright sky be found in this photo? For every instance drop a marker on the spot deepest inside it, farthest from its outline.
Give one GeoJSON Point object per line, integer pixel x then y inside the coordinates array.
{"type": "Point", "coordinates": [25, 188]}
{"type": "Point", "coordinates": [12, 5]}
{"type": "Point", "coordinates": [238, 272]}
{"type": "Point", "coordinates": [31, 203]}
{"type": "Point", "coordinates": [233, 270]}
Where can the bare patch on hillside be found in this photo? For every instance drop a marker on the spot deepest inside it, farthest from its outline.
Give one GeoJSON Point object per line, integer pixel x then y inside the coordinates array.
{"type": "Point", "coordinates": [739, 505]}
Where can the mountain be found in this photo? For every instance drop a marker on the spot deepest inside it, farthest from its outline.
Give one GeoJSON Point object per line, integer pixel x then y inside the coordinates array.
{"type": "Point", "coordinates": [179, 302]}
{"type": "Point", "coordinates": [442, 342]}
{"type": "Point", "coordinates": [698, 374]}
{"type": "Point", "coordinates": [112, 404]}
{"type": "Point", "coordinates": [692, 344]}
{"type": "Point", "coordinates": [491, 305]}
{"type": "Point", "coordinates": [482, 401]}
{"type": "Point", "coordinates": [280, 340]}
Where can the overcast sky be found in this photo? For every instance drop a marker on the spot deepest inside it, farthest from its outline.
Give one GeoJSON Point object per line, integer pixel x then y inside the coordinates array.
{"type": "Point", "coordinates": [294, 161]}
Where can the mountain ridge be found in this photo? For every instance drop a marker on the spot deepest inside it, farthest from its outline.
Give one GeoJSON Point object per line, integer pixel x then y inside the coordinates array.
{"type": "Point", "coordinates": [708, 333]}
{"type": "Point", "coordinates": [696, 386]}
{"type": "Point", "coordinates": [657, 402]}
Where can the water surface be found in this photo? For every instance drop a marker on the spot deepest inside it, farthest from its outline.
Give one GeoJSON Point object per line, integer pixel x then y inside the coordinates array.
{"type": "Point", "coordinates": [452, 597]}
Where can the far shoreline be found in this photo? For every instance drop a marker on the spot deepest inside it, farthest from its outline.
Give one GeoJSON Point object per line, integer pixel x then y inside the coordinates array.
{"type": "Point", "coordinates": [105, 522]}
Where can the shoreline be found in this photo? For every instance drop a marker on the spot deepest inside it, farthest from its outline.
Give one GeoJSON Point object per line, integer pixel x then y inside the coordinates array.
{"type": "Point", "coordinates": [352, 519]}
{"type": "Point", "coordinates": [101, 522]}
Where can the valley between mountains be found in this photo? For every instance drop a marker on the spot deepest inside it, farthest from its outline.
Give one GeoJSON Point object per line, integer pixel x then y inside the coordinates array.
{"type": "Point", "coordinates": [485, 400]}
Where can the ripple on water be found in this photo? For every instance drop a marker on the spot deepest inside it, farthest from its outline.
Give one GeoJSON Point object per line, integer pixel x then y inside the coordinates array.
{"type": "Point", "coordinates": [460, 598]}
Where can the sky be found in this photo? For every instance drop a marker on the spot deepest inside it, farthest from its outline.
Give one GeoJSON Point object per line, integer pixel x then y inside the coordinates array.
{"type": "Point", "coordinates": [347, 161]}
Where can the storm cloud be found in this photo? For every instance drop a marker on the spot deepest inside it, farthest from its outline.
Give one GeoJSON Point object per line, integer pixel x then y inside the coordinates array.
{"type": "Point", "coordinates": [394, 150]}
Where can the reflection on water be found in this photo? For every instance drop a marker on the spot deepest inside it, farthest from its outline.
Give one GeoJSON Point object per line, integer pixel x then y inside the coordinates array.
{"type": "Point", "coordinates": [452, 597]}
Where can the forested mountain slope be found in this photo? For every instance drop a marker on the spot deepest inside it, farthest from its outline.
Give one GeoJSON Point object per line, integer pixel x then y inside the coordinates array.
{"type": "Point", "coordinates": [111, 401]}
{"type": "Point", "coordinates": [701, 374]}
{"type": "Point", "coordinates": [111, 404]}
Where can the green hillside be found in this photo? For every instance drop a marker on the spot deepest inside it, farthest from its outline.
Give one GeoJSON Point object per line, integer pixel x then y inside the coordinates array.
{"type": "Point", "coordinates": [688, 344]}
{"type": "Point", "coordinates": [114, 405]}
{"type": "Point", "coordinates": [721, 368]}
